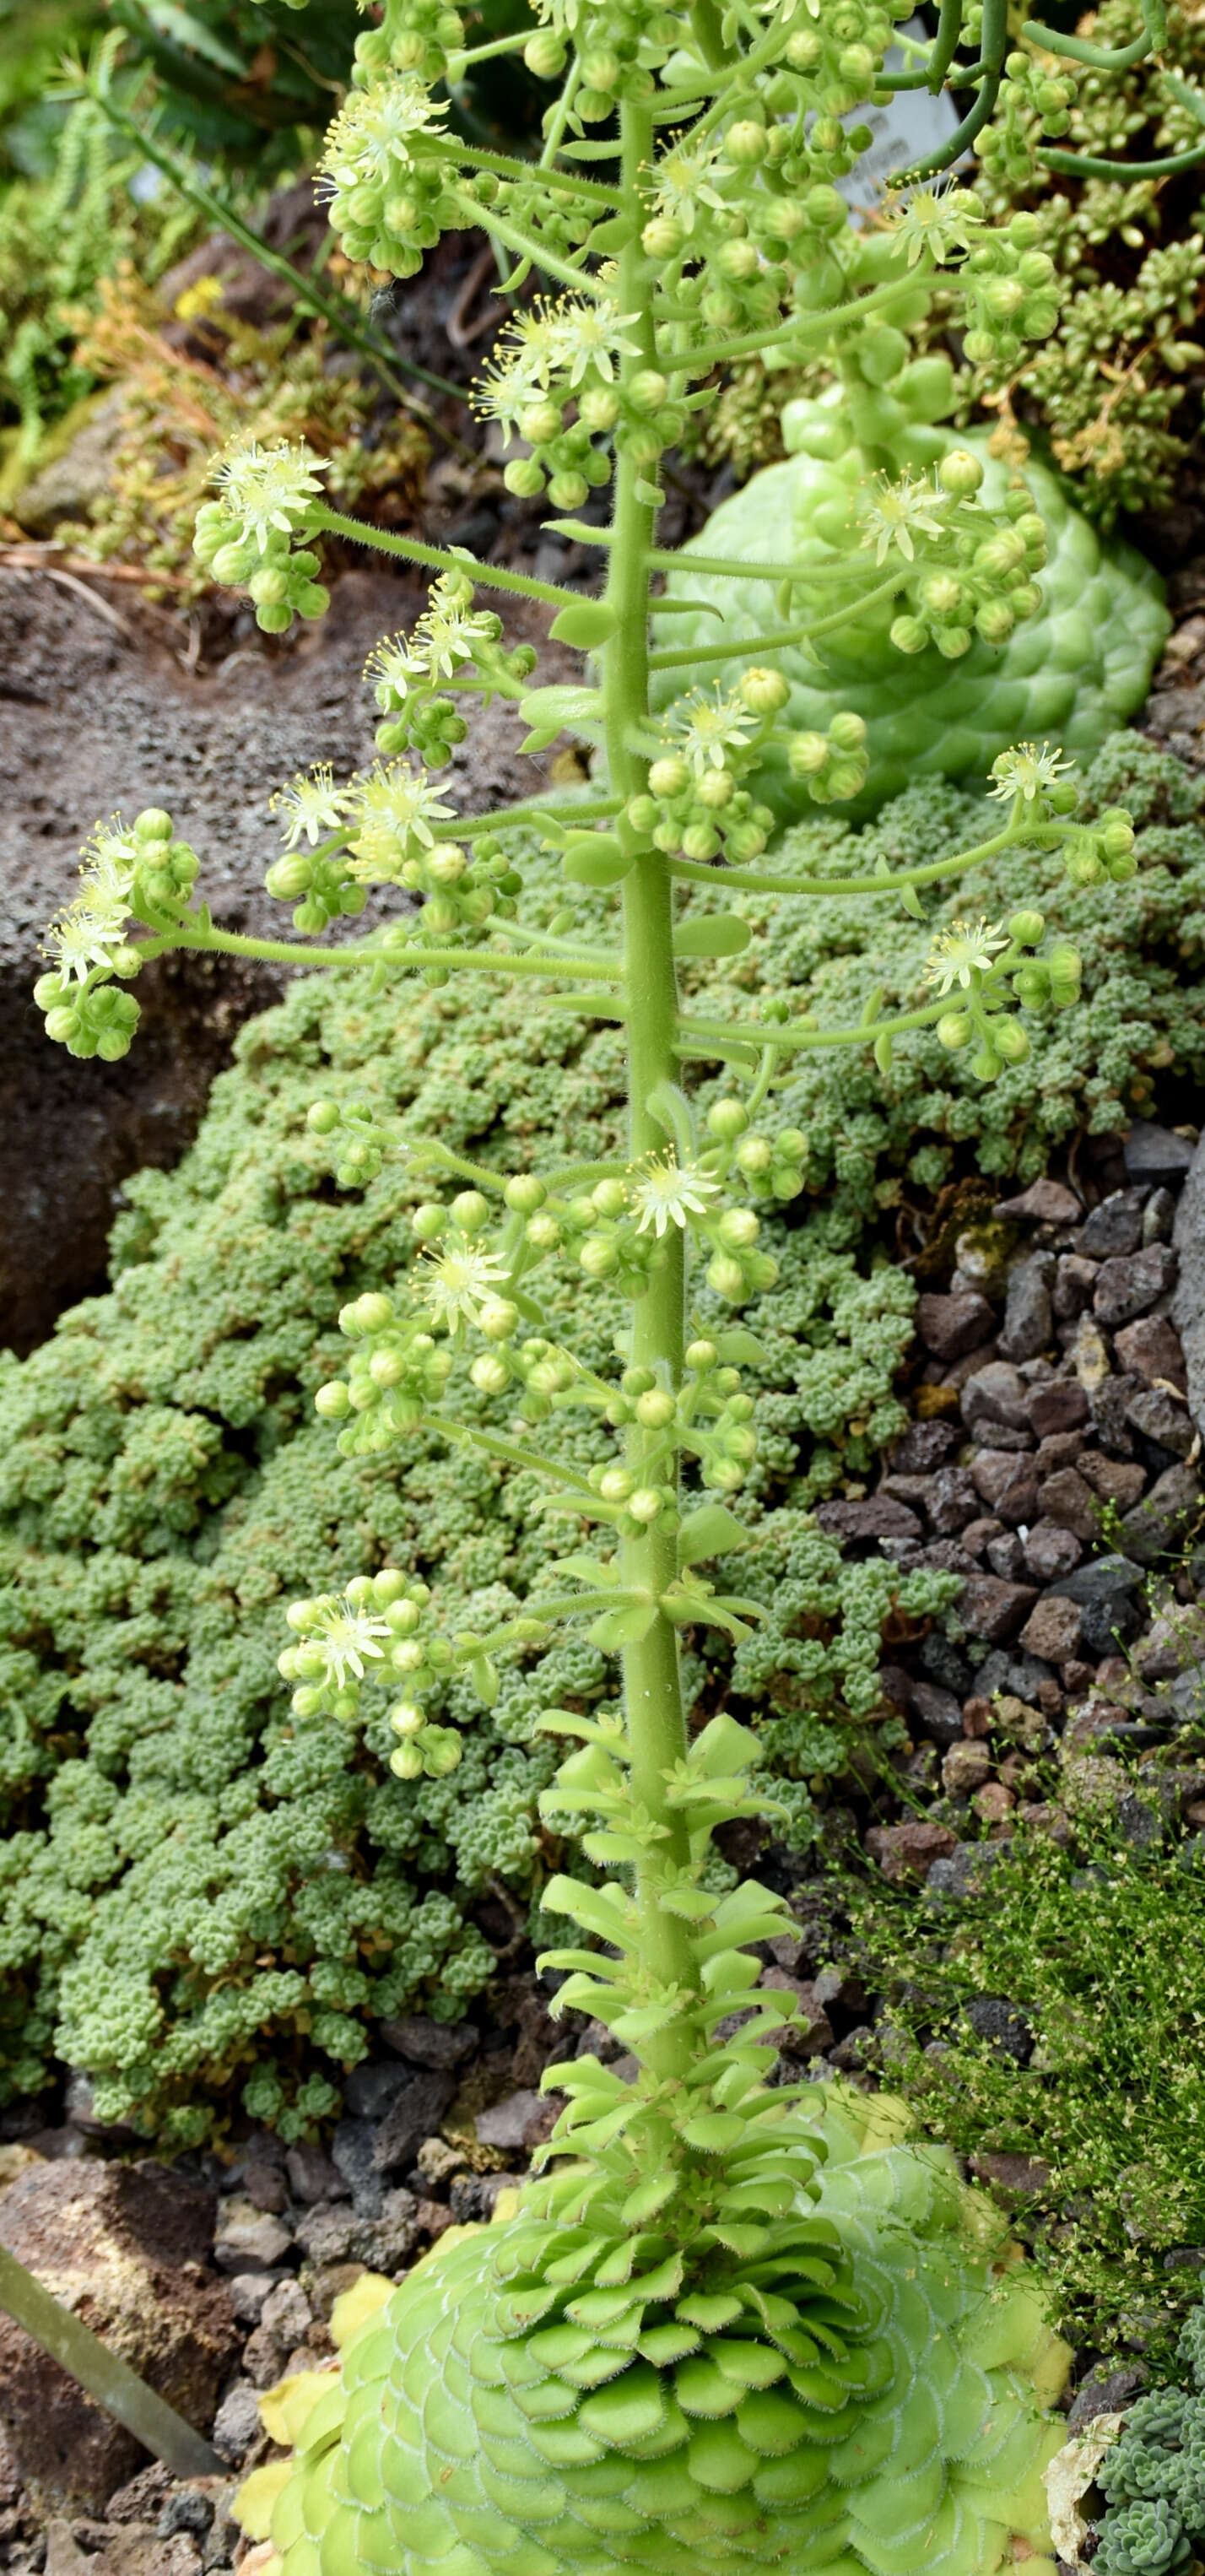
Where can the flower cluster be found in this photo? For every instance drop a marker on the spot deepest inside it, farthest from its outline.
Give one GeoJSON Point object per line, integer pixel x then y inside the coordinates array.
{"type": "Point", "coordinates": [1096, 853]}
{"type": "Point", "coordinates": [142, 874]}
{"type": "Point", "coordinates": [386, 183]}
{"type": "Point", "coordinates": [1010, 287]}
{"type": "Point", "coordinates": [694, 801]}
{"type": "Point", "coordinates": [363, 1142]}
{"type": "Point", "coordinates": [382, 827]}
{"type": "Point", "coordinates": [565, 357]}
{"type": "Point", "coordinates": [1034, 99]}
{"type": "Point", "coordinates": [398, 1374]}
{"type": "Point", "coordinates": [977, 577]}
{"type": "Point", "coordinates": [269, 496]}
{"type": "Point", "coordinates": [450, 643]}
{"type": "Point", "coordinates": [972, 959]}
{"type": "Point", "coordinates": [382, 1629]}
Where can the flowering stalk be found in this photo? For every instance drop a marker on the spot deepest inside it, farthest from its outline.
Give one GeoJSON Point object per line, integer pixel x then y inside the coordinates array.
{"type": "Point", "coordinates": [708, 220]}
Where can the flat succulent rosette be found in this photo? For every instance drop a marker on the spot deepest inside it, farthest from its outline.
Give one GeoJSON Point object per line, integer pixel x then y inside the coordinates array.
{"type": "Point", "coordinates": [851, 2391]}
{"type": "Point", "coordinates": [1070, 674]}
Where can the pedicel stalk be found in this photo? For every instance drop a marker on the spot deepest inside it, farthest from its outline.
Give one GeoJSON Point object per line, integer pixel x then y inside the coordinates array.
{"type": "Point", "coordinates": [735, 2322]}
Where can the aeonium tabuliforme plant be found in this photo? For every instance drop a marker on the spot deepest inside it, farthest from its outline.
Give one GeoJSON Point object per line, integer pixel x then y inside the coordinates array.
{"type": "Point", "coordinates": [725, 2325]}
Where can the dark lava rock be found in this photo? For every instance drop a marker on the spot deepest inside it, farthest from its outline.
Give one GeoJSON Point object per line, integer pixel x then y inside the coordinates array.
{"type": "Point", "coordinates": [441, 2044]}
{"type": "Point", "coordinates": [1156, 1155]}
{"type": "Point", "coordinates": [1157, 1524]}
{"type": "Point", "coordinates": [1103, 2393]}
{"type": "Point", "coordinates": [1105, 1579]}
{"type": "Point", "coordinates": [1009, 1486]}
{"type": "Point", "coordinates": [1109, 1402]}
{"type": "Point", "coordinates": [353, 2149]}
{"type": "Point", "coordinates": [876, 1516]}
{"type": "Point", "coordinates": [951, 1326]}
{"type": "Point", "coordinates": [1000, 2023]}
{"type": "Point", "coordinates": [1054, 1631]}
{"type": "Point", "coordinates": [1157, 1417]}
{"type": "Point", "coordinates": [414, 2115]}
{"type": "Point", "coordinates": [1013, 2177]}
{"type": "Point", "coordinates": [1133, 1283]}
{"type": "Point", "coordinates": [1074, 1281]}
{"type": "Point", "coordinates": [1050, 1550]}
{"type": "Point", "coordinates": [1114, 1227]}
{"type": "Point", "coordinates": [943, 1662]}
{"type": "Point", "coordinates": [312, 2175]}
{"type": "Point", "coordinates": [1116, 1480]}
{"type": "Point", "coordinates": [1057, 1404]}
{"type": "Point", "coordinates": [1045, 1202]}
{"type": "Point", "coordinates": [1150, 1348]}
{"type": "Point", "coordinates": [372, 2089]}
{"type": "Point", "coordinates": [249, 2239]}
{"type": "Point", "coordinates": [908, 1851]}
{"type": "Point", "coordinates": [1017, 1676]}
{"type": "Point", "coordinates": [1065, 1498]}
{"type": "Point", "coordinates": [1028, 1314]}
{"type": "Point", "coordinates": [951, 1501]}
{"type": "Point", "coordinates": [963, 1870]}
{"type": "Point", "coordinates": [937, 1711]}
{"type": "Point", "coordinates": [994, 1610]}
{"type": "Point", "coordinates": [922, 1448]}
{"type": "Point", "coordinates": [996, 1393]}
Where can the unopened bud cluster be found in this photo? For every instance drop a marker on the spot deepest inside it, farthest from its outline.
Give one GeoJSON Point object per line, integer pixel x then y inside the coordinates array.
{"type": "Point", "coordinates": [144, 874]}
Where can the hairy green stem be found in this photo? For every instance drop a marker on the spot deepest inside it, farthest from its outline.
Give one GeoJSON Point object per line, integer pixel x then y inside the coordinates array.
{"type": "Point", "coordinates": [289, 952]}
{"type": "Point", "coordinates": [652, 1686]}
{"type": "Point", "coordinates": [776, 881]}
{"type": "Point", "coordinates": [437, 559]}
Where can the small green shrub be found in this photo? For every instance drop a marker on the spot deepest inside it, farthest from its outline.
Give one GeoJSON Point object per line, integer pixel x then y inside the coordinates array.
{"type": "Point", "coordinates": [193, 1880]}
{"type": "Point", "coordinates": [1098, 1947]}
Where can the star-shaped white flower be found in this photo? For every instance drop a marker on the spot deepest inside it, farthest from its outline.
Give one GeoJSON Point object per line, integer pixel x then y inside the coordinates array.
{"type": "Point", "coordinates": [458, 1279]}
{"type": "Point", "coordinates": [109, 859]}
{"type": "Point", "coordinates": [395, 808]}
{"type": "Point", "coordinates": [589, 335]}
{"type": "Point", "coordinates": [1026, 771]}
{"type": "Point", "coordinates": [269, 488]}
{"type": "Point", "coordinates": [85, 936]}
{"type": "Point", "coordinates": [349, 1636]}
{"type": "Point", "coordinates": [937, 220]}
{"type": "Point", "coordinates": [310, 805]}
{"type": "Point", "coordinates": [903, 511]}
{"type": "Point", "coordinates": [378, 131]}
{"type": "Point", "coordinates": [667, 1193]}
{"type": "Point", "coordinates": [968, 948]}
{"type": "Point", "coordinates": [707, 725]}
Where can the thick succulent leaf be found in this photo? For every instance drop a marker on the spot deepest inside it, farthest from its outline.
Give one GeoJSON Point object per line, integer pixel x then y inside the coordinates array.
{"type": "Point", "coordinates": [633, 2406]}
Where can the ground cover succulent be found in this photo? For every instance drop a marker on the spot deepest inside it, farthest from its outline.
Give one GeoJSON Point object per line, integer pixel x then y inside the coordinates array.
{"type": "Point", "coordinates": [691, 2260]}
